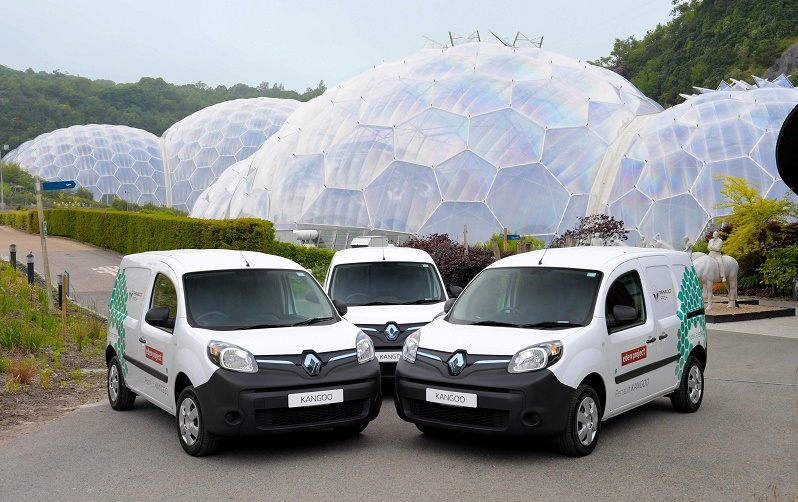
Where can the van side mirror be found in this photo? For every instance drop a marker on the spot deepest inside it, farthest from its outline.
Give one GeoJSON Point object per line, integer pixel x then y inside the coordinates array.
{"type": "Point", "coordinates": [159, 316]}
{"type": "Point", "coordinates": [448, 305]}
{"type": "Point", "coordinates": [623, 315]}
{"type": "Point", "coordinates": [455, 290]}
{"type": "Point", "coordinates": [340, 307]}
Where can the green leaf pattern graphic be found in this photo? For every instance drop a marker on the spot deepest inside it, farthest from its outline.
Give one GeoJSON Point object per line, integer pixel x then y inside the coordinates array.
{"type": "Point", "coordinates": [117, 315]}
{"type": "Point", "coordinates": [689, 301]}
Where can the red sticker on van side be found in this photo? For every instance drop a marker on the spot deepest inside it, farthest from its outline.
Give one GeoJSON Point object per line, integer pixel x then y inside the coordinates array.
{"type": "Point", "coordinates": [633, 355]}
{"type": "Point", "coordinates": [157, 355]}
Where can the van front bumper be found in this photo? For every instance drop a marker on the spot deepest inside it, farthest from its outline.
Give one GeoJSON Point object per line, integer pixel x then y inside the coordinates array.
{"type": "Point", "coordinates": [513, 404]}
{"type": "Point", "coordinates": [245, 404]}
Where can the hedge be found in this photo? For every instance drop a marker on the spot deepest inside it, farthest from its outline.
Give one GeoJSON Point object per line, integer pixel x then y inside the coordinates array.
{"type": "Point", "coordinates": [127, 233]}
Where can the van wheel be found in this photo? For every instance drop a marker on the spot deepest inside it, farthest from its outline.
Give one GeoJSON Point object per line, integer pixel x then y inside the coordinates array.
{"type": "Point", "coordinates": [194, 439]}
{"type": "Point", "coordinates": [582, 426]}
{"type": "Point", "coordinates": [687, 398]}
{"type": "Point", "coordinates": [120, 397]}
{"type": "Point", "coordinates": [351, 430]}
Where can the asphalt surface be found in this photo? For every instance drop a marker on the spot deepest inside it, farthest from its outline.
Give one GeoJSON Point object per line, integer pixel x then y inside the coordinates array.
{"type": "Point", "coordinates": [741, 445]}
{"type": "Point", "coordinates": [92, 270]}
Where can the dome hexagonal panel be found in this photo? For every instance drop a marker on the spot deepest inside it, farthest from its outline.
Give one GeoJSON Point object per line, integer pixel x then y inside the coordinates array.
{"type": "Point", "coordinates": [402, 197]}
{"type": "Point", "coordinates": [221, 130]}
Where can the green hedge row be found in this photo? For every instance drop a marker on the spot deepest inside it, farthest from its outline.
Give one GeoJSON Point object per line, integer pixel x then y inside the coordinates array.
{"type": "Point", "coordinates": [129, 233]}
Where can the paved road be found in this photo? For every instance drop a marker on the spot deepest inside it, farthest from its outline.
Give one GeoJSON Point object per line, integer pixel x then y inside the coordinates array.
{"type": "Point", "coordinates": [92, 270]}
{"type": "Point", "coordinates": [742, 441]}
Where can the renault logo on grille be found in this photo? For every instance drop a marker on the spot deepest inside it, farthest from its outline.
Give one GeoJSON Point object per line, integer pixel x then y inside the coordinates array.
{"type": "Point", "coordinates": [391, 331]}
{"type": "Point", "coordinates": [312, 364]}
{"type": "Point", "coordinates": [456, 363]}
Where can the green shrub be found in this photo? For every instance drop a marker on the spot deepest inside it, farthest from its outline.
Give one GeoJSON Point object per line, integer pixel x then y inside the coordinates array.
{"type": "Point", "coordinates": [129, 232]}
{"type": "Point", "coordinates": [780, 267]}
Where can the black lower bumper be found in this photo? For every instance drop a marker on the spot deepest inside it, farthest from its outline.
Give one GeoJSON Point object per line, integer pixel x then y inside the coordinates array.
{"type": "Point", "coordinates": [523, 404]}
{"type": "Point", "coordinates": [239, 404]}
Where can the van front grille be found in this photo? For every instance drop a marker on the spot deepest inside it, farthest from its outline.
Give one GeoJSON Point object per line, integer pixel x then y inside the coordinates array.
{"type": "Point", "coordinates": [456, 415]}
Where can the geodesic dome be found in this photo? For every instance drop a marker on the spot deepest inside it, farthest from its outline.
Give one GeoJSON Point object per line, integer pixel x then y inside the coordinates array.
{"type": "Point", "coordinates": [109, 160]}
{"type": "Point", "coordinates": [668, 181]}
{"type": "Point", "coordinates": [204, 144]}
{"type": "Point", "coordinates": [478, 134]}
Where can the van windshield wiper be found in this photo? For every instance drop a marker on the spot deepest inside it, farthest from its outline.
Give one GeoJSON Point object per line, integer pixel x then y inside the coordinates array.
{"type": "Point", "coordinates": [312, 320]}
{"type": "Point", "coordinates": [261, 326]}
{"type": "Point", "coordinates": [420, 302]}
{"type": "Point", "coordinates": [493, 323]}
{"type": "Point", "coordinates": [370, 304]}
{"type": "Point", "coordinates": [551, 324]}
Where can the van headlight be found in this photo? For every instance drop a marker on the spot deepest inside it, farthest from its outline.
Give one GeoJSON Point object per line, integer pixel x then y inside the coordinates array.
{"type": "Point", "coordinates": [536, 357]}
{"type": "Point", "coordinates": [365, 348]}
{"type": "Point", "coordinates": [410, 348]}
{"type": "Point", "coordinates": [231, 357]}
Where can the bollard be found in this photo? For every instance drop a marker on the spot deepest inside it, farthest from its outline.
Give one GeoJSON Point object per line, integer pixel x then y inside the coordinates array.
{"type": "Point", "coordinates": [60, 291]}
{"type": "Point", "coordinates": [30, 267]}
{"type": "Point", "coordinates": [12, 252]}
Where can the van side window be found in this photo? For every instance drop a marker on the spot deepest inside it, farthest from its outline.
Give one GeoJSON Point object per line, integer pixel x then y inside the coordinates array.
{"type": "Point", "coordinates": [627, 291]}
{"type": "Point", "coordinates": [164, 294]}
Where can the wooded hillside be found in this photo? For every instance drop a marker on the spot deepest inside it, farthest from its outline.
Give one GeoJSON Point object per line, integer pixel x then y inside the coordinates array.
{"type": "Point", "coordinates": [706, 42]}
{"type": "Point", "coordinates": [32, 103]}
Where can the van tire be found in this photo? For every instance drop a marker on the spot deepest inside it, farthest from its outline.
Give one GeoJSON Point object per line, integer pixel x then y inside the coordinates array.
{"type": "Point", "coordinates": [119, 396]}
{"type": "Point", "coordinates": [191, 433]}
{"type": "Point", "coordinates": [687, 398]}
{"type": "Point", "coordinates": [582, 426]}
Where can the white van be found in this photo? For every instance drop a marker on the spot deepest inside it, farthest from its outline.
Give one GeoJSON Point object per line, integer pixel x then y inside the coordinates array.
{"type": "Point", "coordinates": [389, 292]}
{"type": "Point", "coordinates": [236, 343]}
{"type": "Point", "coordinates": [550, 343]}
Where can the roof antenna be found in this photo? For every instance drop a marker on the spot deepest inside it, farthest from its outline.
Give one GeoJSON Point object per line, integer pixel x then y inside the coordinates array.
{"type": "Point", "coordinates": [544, 255]}
{"type": "Point", "coordinates": [383, 252]}
{"type": "Point", "coordinates": [244, 257]}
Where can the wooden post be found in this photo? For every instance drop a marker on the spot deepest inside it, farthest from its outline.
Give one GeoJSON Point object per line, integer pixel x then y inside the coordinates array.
{"type": "Point", "coordinates": [65, 285]}
{"type": "Point", "coordinates": [496, 254]}
{"type": "Point", "coordinates": [465, 240]}
{"type": "Point", "coordinates": [505, 238]}
{"type": "Point", "coordinates": [44, 244]}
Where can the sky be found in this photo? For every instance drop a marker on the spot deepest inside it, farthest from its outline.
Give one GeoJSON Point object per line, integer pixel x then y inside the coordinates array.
{"type": "Point", "coordinates": [294, 42]}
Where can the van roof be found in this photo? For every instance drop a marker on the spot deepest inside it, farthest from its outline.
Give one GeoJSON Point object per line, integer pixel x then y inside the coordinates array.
{"type": "Point", "coordinates": [185, 261]}
{"type": "Point", "coordinates": [374, 254]}
{"type": "Point", "coordinates": [588, 257]}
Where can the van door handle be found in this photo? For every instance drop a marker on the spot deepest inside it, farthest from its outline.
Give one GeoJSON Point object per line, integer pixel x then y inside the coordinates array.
{"type": "Point", "coordinates": [651, 339]}
{"type": "Point", "coordinates": [142, 339]}
{"type": "Point", "coordinates": [663, 336]}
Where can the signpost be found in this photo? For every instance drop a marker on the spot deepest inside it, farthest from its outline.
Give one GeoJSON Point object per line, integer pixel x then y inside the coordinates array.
{"type": "Point", "coordinates": [57, 185]}
{"type": "Point", "coordinates": [47, 185]}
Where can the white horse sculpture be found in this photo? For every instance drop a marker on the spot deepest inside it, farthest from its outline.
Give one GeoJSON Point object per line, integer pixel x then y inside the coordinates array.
{"type": "Point", "coordinates": [706, 269]}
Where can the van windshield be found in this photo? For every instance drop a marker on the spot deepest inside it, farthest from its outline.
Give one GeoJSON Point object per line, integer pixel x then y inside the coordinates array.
{"type": "Point", "coordinates": [255, 298]}
{"type": "Point", "coordinates": [528, 297]}
{"type": "Point", "coordinates": [386, 283]}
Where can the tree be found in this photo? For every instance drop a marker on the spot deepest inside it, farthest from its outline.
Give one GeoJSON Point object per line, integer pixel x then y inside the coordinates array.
{"type": "Point", "coordinates": [84, 193]}
{"type": "Point", "coordinates": [750, 215]}
{"type": "Point", "coordinates": [606, 227]}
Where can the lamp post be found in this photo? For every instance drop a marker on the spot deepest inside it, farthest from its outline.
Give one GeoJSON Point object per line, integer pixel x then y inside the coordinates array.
{"type": "Point", "coordinates": [2, 199]}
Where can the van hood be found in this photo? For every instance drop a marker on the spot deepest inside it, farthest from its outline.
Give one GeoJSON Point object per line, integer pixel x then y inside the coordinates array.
{"type": "Point", "coordinates": [293, 340]}
{"type": "Point", "coordinates": [486, 340]}
{"type": "Point", "coordinates": [400, 314]}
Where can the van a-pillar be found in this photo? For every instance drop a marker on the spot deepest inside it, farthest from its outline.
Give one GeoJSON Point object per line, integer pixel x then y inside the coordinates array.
{"type": "Point", "coordinates": [787, 151]}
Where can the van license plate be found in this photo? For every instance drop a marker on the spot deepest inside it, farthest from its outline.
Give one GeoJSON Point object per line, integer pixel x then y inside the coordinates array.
{"type": "Point", "coordinates": [316, 398]}
{"type": "Point", "coordinates": [389, 357]}
{"type": "Point", "coordinates": [452, 398]}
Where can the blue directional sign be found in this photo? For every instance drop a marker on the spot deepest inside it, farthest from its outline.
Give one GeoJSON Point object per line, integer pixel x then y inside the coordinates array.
{"type": "Point", "coordinates": [57, 185]}
{"type": "Point", "coordinates": [513, 237]}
